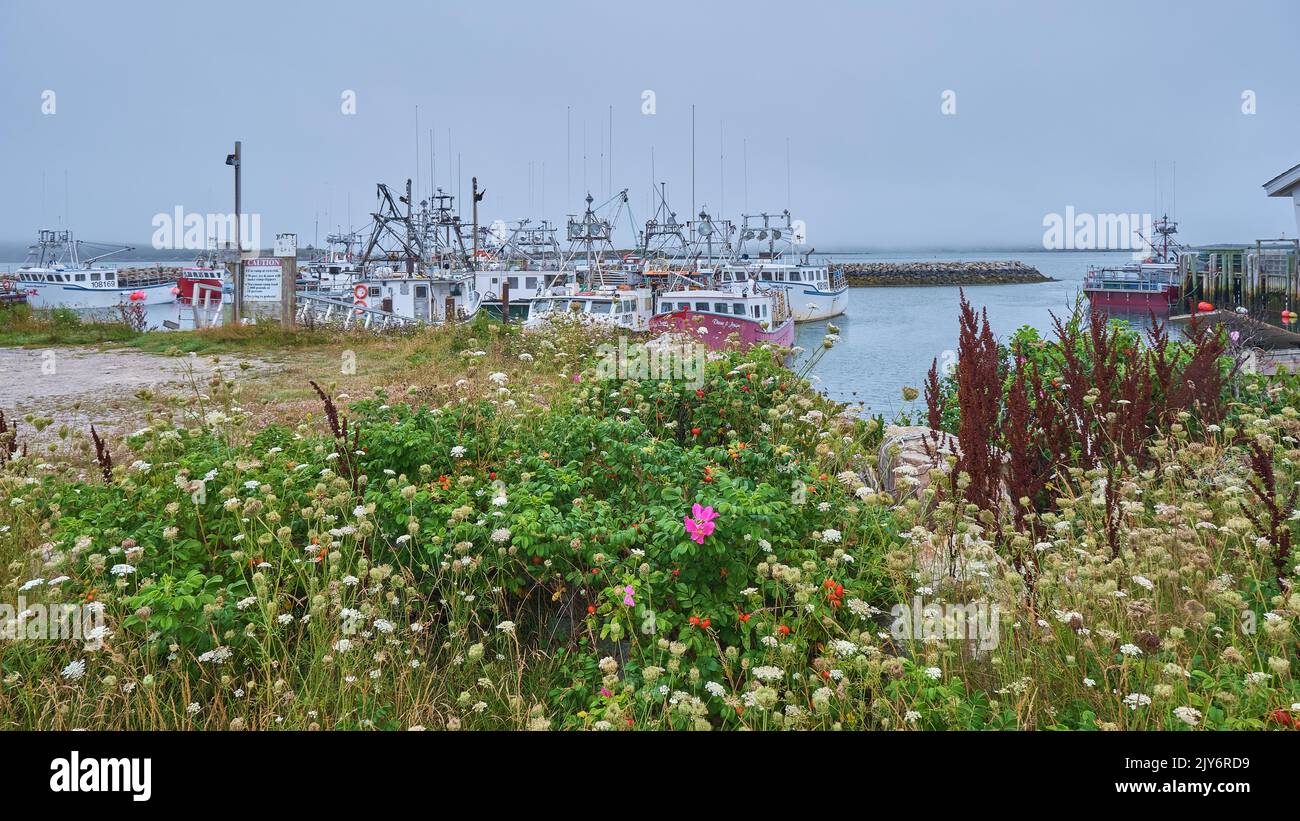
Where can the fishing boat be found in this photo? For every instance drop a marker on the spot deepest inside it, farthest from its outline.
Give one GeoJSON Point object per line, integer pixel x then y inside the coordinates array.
{"type": "Point", "coordinates": [599, 286]}
{"type": "Point", "coordinates": [335, 270]}
{"type": "Point", "coordinates": [618, 306]}
{"type": "Point", "coordinates": [55, 276]}
{"type": "Point", "coordinates": [1152, 284]}
{"type": "Point", "coordinates": [813, 291]}
{"type": "Point", "coordinates": [205, 281]}
{"type": "Point", "coordinates": [743, 316]}
{"type": "Point", "coordinates": [517, 264]}
{"type": "Point", "coordinates": [430, 298]}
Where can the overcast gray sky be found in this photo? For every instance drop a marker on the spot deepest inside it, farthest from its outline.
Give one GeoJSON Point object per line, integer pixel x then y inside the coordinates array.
{"type": "Point", "coordinates": [1057, 104]}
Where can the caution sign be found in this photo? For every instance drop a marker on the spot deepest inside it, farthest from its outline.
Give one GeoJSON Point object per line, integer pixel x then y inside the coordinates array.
{"type": "Point", "coordinates": [262, 279]}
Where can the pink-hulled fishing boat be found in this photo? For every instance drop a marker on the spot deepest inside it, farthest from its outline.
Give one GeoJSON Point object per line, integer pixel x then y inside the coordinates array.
{"type": "Point", "coordinates": [753, 316]}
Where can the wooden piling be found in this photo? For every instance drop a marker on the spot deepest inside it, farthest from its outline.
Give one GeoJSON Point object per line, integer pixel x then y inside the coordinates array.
{"type": "Point", "coordinates": [288, 290]}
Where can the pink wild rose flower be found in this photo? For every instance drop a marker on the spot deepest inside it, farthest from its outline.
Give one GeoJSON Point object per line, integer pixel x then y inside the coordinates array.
{"type": "Point", "coordinates": [702, 523]}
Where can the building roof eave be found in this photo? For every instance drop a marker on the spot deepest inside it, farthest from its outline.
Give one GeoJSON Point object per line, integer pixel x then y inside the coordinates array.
{"type": "Point", "coordinates": [1285, 184]}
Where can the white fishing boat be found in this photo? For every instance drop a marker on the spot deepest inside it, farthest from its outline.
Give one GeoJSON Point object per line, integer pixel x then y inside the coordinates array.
{"type": "Point", "coordinates": [430, 299]}
{"type": "Point", "coordinates": [55, 276]}
{"type": "Point", "coordinates": [812, 291]}
{"type": "Point", "coordinates": [335, 270]}
{"type": "Point", "coordinates": [619, 306]}
{"type": "Point", "coordinates": [604, 288]}
{"type": "Point", "coordinates": [523, 263]}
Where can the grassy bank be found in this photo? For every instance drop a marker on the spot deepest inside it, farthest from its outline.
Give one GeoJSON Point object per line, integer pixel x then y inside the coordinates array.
{"type": "Point", "coordinates": [477, 528]}
{"type": "Point", "coordinates": [20, 325]}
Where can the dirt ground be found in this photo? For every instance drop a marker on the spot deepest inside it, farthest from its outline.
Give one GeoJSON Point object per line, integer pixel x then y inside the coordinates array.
{"type": "Point", "coordinates": [79, 386]}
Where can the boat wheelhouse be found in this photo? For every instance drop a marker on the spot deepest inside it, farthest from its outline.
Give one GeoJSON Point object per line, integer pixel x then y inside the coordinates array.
{"type": "Point", "coordinates": [1139, 286]}
{"type": "Point", "coordinates": [813, 291]}
{"type": "Point", "coordinates": [432, 300]}
{"type": "Point", "coordinates": [55, 276]}
{"type": "Point", "coordinates": [617, 306]}
{"type": "Point", "coordinates": [205, 282]}
{"type": "Point", "coordinates": [755, 316]}
{"type": "Point", "coordinates": [522, 284]}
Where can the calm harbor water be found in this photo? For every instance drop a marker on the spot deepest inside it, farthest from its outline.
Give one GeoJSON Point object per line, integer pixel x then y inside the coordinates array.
{"type": "Point", "coordinates": [889, 335]}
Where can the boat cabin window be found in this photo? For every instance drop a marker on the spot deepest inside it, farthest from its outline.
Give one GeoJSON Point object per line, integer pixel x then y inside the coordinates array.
{"type": "Point", "coordinates": [406, 288]}
{"type": "Point", "coordinates": [374, 290]}
{"type": "Point", "coordinates": [541, 306]}
{"type": "Point", "coordinates": [719, 307]}
{"type": "Point", "coordinates": [702, 306]}
{"type": "Point", "coordinates": [738, 308]}
{"type": "Point", "coordinates": [530, 283]}
{"type": "Point", "coordinates": [81, 277]}
{"type": "Point", "coordinates": [600, 307]}
{"type": "Point", "coordinates": [422, 291]}
{"type": "Point", "coordinates": [514, 282]}
{"type": "Point", "coordinates": [766, 276]}
{"type": "Point", "coordinates": [94, 277]}
{"type": "Point", "coordinates": [795, 276]}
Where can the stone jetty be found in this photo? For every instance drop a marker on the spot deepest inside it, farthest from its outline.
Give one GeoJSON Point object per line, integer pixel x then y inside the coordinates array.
{"type": "Point", "coordinates": [878, 274]}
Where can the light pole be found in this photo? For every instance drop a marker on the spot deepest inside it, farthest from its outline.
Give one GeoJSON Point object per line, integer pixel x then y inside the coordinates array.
{"type": "Point", "coordinates": [234, 160]}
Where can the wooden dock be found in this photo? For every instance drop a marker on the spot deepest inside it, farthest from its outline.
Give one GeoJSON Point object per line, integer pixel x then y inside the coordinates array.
{"type": "Point", "coordinates": [1252, 331]}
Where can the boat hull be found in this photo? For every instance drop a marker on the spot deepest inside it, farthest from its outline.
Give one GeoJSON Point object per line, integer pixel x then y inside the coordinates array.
{"type": "Point", "coordinates": [188, 283]}
{"type": "Point", "coordinates": [518, 310]}
{"type": "Point", "coordinates": [67, 295]}
{"type": "Point", "coordinates": [1131, 300]}
{"type": "Point", "coordinates": [715, 330]}
{"type": "Point", "coordinates": [811, 304]}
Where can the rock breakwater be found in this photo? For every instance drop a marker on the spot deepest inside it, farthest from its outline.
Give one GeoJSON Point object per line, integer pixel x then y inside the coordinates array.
{"type": "Point", "coordinates": [883, 274]}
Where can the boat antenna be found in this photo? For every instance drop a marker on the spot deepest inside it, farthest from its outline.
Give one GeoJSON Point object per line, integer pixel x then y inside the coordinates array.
{"type": "Point", "coordinates": [787, 173]}
{"type": "Point", "coordinates": [744, 150]}
{"type": "Point", "coordinates": [692, 158]}
{"type": "Point", "coordinates": [568, 154]}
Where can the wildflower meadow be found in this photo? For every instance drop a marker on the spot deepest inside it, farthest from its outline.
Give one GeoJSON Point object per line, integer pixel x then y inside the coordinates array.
{"type": "Point", "coordinates": [504, 536]}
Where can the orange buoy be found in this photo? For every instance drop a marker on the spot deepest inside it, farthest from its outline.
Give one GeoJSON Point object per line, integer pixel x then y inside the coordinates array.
{"type": "Point", "coordinates": [1204, 307]}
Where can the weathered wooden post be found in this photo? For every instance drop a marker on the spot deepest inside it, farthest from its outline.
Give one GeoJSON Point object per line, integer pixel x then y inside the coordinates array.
{"type": "Point", "coordinates": [449, 309]}
{"type": "Point", "coordinates": [505, 300]}
{"type": "Point", "coordinates": [286, 250]}
{"type": "Point", "coordinates": [288, 290]}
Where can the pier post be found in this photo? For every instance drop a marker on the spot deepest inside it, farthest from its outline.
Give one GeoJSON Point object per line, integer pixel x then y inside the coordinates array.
{"type": "Point", "coordinates": [288, 290]}
{"type": "Point", "coordinates": [505, 300]}
{"type": "Point", "coordinates": [449, 310]}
